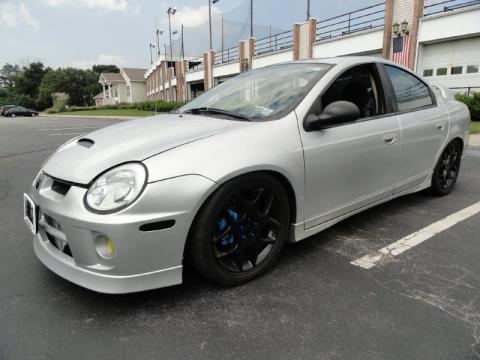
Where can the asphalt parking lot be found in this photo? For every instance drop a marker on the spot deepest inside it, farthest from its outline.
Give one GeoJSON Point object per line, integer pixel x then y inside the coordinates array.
{"type": "Point", "coordinates": [315, 304]}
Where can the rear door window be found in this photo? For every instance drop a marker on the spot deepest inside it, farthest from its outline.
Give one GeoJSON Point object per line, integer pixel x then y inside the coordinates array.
{"type": "Point", "coordinates": [410, 92]}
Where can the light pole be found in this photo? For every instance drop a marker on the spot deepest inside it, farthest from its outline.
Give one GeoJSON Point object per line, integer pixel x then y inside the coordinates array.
{"type": "Point", "coordinates": [170, 11]}
{"type": "Point", "coordinates": [152, 46]}
{"type": "Point", "coordinates": [210, 2]}
{"type": "Point", "coordinates": [251, 18]}
{"type": "Point", "coordinates": [159, 32]}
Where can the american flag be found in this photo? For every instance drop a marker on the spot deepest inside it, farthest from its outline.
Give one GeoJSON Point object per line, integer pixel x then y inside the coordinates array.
{"type": "Point", "coordinates": [401, 49]}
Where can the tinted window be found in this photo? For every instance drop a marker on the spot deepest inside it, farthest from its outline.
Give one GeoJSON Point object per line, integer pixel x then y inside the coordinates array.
{"type": "Point", "coordinates": [410, 92]}
{"type": "Point", "coordinates": [472, 69]}
{"type": "Point", "coordinates": [359, 86]}
{"type": "Point", "coordinates": [428, 72]}
{"type": "Point", "coordinates": [441, 71]}
{"type": "Point", "coordinates": [456, 70]}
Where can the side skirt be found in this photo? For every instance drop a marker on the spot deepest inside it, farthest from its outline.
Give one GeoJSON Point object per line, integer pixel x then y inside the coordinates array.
{"type": "Point", "coordinates": [298, 231]}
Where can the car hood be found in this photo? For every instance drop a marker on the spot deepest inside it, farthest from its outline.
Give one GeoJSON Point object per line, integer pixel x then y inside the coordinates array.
{"type": "Point", "coordinates": [133, 140]}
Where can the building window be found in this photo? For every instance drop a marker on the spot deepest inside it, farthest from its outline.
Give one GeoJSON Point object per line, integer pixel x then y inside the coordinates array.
{"type": "Point", "coordinates": [428, 72]}
{"type": "Point", "coordinates": [472, 69]}
{"type": "Point", "coordinates": [441, 71]}
{"type": "Point", "coordinates": [128, 90]}
{"type": "Point", "coordinates": [456, 70]}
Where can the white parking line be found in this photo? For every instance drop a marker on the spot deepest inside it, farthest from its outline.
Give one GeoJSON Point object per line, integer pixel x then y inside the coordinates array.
{"type": "Point", "coordinates": [69, 128]}
{"type": "Point", "coordinates": [66, 134]}
{"type": "Point", "coordinates": [416, 238]}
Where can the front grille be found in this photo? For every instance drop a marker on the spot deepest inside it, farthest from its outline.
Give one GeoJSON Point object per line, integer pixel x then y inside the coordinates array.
{"type": "Point", "coordinates": [54, 232]}
{"type": "Point", "coordinates": [60, 187]}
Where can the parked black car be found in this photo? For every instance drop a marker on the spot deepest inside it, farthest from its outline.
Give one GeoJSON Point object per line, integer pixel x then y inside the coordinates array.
{"type": "Point", "coordinates": [4, 108]}
{"type": "Point", "coordinates": [20, 111]}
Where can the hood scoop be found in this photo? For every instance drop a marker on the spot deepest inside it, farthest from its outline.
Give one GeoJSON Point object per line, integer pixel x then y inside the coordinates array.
{"type": "Point", "coordinates": [88, 143]}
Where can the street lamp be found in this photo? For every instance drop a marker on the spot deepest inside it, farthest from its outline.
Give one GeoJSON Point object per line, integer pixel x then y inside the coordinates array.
{"type": "Point", "coordinates": [404, 26]}
{"type": "Point", "coordinates": [210, 2]}
{"type": "Point", "coordinates": [159, 32]}
{"type": "Point", "coordinates": [396, 28]}
{"type": "Point", "coordinates": [152, 46]}
{"type": "Point", "coordinates": [171, 11]}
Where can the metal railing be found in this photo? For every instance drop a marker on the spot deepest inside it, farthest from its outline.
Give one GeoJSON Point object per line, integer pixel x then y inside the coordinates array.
{"type": "Point", "coordinates": [274, 43]}
{"type": "Point", "coordinates": [448, 5]}
{"type": "Point", "coordinates": [468, 89]}
{"type": "Point", "coordinates": [196, 64]}
{"type": "Point", "coordinates": [227, 55]}
{"type": "Point", "coordinates": [369, 17]}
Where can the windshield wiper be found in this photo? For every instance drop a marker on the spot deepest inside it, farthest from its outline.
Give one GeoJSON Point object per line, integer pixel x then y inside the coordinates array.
{"type": "Point", "coordinates": [217, 111]}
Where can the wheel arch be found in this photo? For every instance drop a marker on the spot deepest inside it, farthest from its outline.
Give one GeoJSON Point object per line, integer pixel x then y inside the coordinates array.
{"type": "Point", "coordinates": [286, 184]}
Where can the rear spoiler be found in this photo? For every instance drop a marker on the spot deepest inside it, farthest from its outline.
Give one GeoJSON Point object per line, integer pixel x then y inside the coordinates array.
{"type": "Point", "coordinates": [442, 90]}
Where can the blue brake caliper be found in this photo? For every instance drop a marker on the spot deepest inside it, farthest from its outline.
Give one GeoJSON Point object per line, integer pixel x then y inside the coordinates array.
{"type": "Point", "coordinates": [222, 224]}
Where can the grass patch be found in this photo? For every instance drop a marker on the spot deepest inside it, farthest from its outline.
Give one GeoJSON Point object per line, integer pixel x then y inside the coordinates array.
{"type": "Point", "coordinates": [109, 112]}
{"type": "Point", "coordinates": [475, 127]}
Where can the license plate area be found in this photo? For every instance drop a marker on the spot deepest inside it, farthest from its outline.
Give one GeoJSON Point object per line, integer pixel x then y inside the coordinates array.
{"type": "Point", "coordinates": [30, 212]}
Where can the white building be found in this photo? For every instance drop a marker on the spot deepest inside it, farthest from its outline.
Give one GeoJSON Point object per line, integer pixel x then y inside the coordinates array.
{"type": "Point", "coordinates": [444, 46]}
{"type": "Point", "coordinates": [128, 86]}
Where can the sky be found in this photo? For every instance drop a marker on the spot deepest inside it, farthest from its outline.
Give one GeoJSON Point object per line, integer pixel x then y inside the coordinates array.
{"type": "Point", "coordinates": [80, 33]}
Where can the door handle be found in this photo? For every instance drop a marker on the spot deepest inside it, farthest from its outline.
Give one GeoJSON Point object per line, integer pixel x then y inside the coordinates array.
{"type": "Point", "coordinates": [390, 139]}
{"type": "Point", "coordinates": [441, 125]}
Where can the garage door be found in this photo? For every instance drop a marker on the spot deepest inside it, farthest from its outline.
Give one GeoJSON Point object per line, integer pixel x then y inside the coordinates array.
{"type": "Point", "coordinates": [453, 63]}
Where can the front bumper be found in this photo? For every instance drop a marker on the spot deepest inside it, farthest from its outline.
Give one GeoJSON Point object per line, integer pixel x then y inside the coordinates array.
{"type": "Point", "coordinates": [67, 233]}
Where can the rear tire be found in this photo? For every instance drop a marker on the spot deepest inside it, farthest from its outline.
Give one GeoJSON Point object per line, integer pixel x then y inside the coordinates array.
{"type": "Point", "coordinates": [13, 115]}
{"type": "Point", "coordinates": [446, 171]}
{"type": "Point", "coordinates": [240, 230]}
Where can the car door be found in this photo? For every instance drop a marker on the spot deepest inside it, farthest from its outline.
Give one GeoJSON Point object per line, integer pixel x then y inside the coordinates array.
{"type": "Point", "coordinates": [424, 126]}
{"type": "Point", "coordinates": [355, 163]}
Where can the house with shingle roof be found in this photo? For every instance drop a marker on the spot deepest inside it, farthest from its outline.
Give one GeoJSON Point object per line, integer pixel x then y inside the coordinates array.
{"type": "Point", "coordinates": [128, 86]}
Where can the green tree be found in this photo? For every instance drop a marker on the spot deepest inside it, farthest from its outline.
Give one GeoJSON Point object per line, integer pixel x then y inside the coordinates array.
{"type": "Point", "coordinates": [29, 79]}
{"type": "Point", "coordinates": [8, 73]}
{"type": "Point", "coordinates": [105, 68]}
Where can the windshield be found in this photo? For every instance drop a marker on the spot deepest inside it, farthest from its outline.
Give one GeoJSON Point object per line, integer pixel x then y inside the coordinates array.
{"type": "Point", "coordinates": [263, 94]}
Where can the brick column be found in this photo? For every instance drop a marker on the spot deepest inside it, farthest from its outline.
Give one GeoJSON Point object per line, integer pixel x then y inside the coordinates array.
{"type": "Point", "coordinates": [208, 62]}
{"type": "Point", "coordinates": [159, 77]}
{"type": "Point", "coordinates": [387, 29]}
{"type": "Point", "coordinates": [247, 52]}
{"type": "Point", "coordinates": [180, 68]}
{"type": "Point", "coordinates": [304, 36]}
{"type": "Point", "coordinates": [417, 15]}
{"type": "Point", "coordinates": [170, 76]}
{"type": "Point", "coordinates": [163, 71]}
{"type": "Point", "coordinates": [398, 11]}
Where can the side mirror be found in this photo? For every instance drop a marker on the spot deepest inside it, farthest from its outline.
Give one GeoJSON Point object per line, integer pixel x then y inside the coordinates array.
{"type": "Point", "coordinates": [336, 113]}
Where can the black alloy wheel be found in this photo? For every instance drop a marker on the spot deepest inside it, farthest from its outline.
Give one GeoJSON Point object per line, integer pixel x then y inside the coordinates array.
{"type": "Point", "coordinates": [241, 229]}
{"type": "Point", "coordinates": [447, 168]}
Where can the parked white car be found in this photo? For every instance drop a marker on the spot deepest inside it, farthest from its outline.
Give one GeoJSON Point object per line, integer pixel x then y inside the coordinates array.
{"type": "Point", "coordinates": [276, 154]}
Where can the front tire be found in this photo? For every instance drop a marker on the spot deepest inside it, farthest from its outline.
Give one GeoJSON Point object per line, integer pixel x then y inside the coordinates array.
{"type": "Point", "coordinates": [13, 115]}
{"type": "Point", "coordinates": [446, 171]}
{"type": "Point", "coordinates": [240, 230]}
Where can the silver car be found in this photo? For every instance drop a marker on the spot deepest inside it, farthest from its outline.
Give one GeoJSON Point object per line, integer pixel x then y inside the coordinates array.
{"type": "Point", "coordinates": [276, 154]}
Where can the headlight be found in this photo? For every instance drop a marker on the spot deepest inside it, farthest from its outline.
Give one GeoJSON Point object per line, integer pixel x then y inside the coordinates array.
{"type": "Point", "coordinates": [117, 188]}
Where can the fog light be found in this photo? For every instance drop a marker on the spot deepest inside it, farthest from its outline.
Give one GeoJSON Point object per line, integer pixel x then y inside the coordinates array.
{"type": "Point", "coordinates": [105, 247]}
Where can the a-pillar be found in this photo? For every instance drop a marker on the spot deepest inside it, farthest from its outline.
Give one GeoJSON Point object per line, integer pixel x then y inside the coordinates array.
{"type": "Point", "coordinates": [247, 52]}
{"type": "Point", "coordinates": [208, 63]}
{"type": "Point", "coordinates": [396, 12]}
{"type": "Point", "coordinates": [304, 36]}
{"type": "Point", "coordinates": [180, 68]}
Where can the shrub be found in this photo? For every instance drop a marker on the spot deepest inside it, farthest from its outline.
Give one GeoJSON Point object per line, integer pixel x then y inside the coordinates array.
{"type": "Point", "coordinates": [473, 103]}
{"type": "Point", "coordinates": [60, 100]}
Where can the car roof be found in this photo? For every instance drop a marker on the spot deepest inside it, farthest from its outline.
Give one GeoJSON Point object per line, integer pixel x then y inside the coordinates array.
{"type": "Point", "coordinates": [351, 59]}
